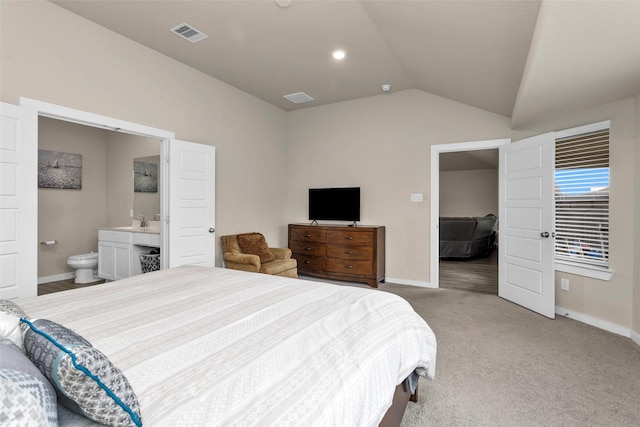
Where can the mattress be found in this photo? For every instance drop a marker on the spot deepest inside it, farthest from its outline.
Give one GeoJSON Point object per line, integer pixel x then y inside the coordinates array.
{"type": "Point", "coordinates": [208, 346]}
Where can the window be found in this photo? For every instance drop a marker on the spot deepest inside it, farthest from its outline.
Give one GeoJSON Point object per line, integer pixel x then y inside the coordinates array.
{"type": "Point", "coordinates": [582, 196]}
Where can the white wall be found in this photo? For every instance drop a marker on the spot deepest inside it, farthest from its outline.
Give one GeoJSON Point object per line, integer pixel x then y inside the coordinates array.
{"type": "Point", "coordinates": [382, 144]}
{"type": "Point", "coordinates": [636, 215]}
{"type": "Point", "coordinates": [469, 192]}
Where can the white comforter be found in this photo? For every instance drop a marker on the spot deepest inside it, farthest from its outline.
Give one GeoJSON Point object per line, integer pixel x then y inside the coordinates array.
{"type": "Point", "coordinates": [210, 346]}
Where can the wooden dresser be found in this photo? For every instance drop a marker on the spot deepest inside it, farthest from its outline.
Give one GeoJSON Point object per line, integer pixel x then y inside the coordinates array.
{"type": "Point", "coordinates": [354, 254]}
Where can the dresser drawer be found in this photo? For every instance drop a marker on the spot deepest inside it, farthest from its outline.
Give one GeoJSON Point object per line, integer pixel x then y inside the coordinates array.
{"type": "Point", "coordinates": [344, 266]}
{"type": "Point", "coordinates": [349, 237]}
{"type": "Point", "coordinates": [350, 252]}
{"type": "Point", "coordinates": [308, 248]}
{"type": "Point", "coordinates": [309, 234]}
{"type": "Point", "coordinates": [310, 262]}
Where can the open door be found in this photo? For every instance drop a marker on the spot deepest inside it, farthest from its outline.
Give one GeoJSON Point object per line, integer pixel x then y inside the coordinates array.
{"type": "Point", "coordinates": [191, 204]}
{"type": "Point", "coordinates": [18, 202]}
{"type": "Point", "coordinates": [525, 266]}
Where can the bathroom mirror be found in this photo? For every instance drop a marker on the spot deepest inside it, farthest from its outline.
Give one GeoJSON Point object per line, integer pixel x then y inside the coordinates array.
{"type": "Point", "coordinates": [146, 194]}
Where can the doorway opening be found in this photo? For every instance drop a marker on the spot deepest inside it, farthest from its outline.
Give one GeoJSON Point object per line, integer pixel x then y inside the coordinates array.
{"type": "Point", "coordinates": [468, 220]}
{"type": "Point", "coordinates": [102, 195]}
{"type": "Point", "coordinates": [465, 190]}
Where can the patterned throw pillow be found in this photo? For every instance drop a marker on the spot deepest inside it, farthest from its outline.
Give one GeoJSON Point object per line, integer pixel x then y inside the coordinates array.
{"type": "Point", "coordinates": [28, 399]}
{"type": "Point", "coordinates": [255, 243]}
{"type": "Point", "coordinates": [85, 380]}
{"type": "Point", "coordinates": [10, 326]}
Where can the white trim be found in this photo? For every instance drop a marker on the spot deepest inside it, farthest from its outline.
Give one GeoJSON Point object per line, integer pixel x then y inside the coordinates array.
{"type": "Point", "coordinates": [584, 270]}
{"type": "Point", "coordinates": [594, 321]}
{"type": "Point", "coordinates": [635, 337]}
{"type": "Point", "coordinates": [56, 277]}
{"type": "Point", "coordinates": [95, 120]}
{"type": "Point", "coordinates": [593, 127]}
{"type": "Point", "coordinates": [434, 246]}
{"type": "Point", "coordinates": [418, 283]}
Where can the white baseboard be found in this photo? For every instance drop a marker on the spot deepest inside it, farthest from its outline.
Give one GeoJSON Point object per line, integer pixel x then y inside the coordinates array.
{"type": "Point", "coordinates": [56, 277]}
{"type": "Point", "coordinates": [594, 321]}
{"type": "Point", "coordinates": [418, 283]}
{"type": "Point", "coordinates": [635, 336]}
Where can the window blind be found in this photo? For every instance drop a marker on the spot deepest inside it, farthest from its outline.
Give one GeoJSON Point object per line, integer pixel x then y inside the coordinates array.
{"type": "Point", "coordinates": [582, 198]}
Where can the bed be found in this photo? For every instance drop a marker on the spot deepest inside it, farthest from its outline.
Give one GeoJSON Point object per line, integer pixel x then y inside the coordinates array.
{"type": "Point", "coordinates": [205, 346]}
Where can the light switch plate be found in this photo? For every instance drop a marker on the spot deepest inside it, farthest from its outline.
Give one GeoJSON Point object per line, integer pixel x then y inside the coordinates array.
{"type": "Point", "coordinates": [416, 197]}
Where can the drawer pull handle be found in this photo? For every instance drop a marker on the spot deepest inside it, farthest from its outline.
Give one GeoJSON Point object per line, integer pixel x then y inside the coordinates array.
{"type": "Point", "coordinates": [307, 249]}
{"type": "Point", "coordinates": [306, 261]}
{"type": "Point", "coordinates": [348, 252]}
{"type": "Point", "coordinates": [349, 238]}
{"type": "Point", "coordinates": [348, 266]}
{"type": "Point", "coordinates": [307, 235]}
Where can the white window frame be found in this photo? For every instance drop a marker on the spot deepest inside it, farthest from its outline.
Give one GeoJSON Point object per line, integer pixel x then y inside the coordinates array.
{"type": "Point", "coordinates": [601, 273]}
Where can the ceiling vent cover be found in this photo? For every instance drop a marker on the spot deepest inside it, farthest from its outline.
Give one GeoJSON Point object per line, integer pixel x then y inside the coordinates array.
{"type": "Point", "coordinates": [298, 97]}
{"type": "Point", "coordinates": [188, 32]}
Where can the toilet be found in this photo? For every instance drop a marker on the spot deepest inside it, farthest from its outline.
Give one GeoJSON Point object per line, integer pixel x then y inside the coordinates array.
{"type": "Point", "coordinates": [84, 264]}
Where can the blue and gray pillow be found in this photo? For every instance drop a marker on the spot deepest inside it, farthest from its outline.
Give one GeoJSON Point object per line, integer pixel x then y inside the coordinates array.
{"type": "Point", "coordinates": [85, 380]}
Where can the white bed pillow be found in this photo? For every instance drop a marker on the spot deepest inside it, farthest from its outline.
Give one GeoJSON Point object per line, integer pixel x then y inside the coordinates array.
{"type": "Point", "coordinates": [10, 326]}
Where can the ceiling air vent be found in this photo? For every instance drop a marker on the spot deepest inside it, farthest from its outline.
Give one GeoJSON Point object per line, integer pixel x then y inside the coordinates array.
{"type": "Point", "coordinates": [298, 97]}
{"type": "Point", "coordinates": [188, 32]}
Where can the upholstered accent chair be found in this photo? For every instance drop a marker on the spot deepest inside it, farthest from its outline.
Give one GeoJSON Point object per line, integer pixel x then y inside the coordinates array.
{"type": "Point", "coordinates": [250, 252]}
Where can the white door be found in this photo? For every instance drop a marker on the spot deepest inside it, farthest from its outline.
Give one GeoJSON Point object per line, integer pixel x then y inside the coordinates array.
{"type": "Point", "coordinates": [191, 204]}
{"type": "Point", "coordinates": [18, 205]}
{"type": "Point", "coordinates": [525, 267]}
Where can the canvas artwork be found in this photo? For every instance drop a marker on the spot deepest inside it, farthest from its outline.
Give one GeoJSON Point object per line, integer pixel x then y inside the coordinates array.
{"type": "Point", "coordinates": [145, 177]}
{"type": "Point", "coordinates": [59, 170]}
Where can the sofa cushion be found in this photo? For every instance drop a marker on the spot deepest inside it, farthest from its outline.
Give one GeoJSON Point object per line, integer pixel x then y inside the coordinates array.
{"type": "Point", "coordinates": [255, 243]}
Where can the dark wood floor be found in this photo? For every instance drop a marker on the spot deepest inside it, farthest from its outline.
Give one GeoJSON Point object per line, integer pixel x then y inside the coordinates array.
{"type": "Point", "coordinates": [63, 285]}
{"type": "Point", "coordinates": [478, 275]}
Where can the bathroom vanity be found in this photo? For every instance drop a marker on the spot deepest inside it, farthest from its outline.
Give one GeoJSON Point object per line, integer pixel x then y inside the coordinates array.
{"type": "Point", "coordinates": [119, 250]}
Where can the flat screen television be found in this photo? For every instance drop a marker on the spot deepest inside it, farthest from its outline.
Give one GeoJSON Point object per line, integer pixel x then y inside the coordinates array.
{"type": "Point", "coordinates": [334, 204]}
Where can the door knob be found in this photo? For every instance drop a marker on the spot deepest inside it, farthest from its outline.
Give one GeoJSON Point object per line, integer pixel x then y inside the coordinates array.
{"type": "Point", "coordinates": [544, 234]}
{"type": "Point", "coordinates": [212, 230]}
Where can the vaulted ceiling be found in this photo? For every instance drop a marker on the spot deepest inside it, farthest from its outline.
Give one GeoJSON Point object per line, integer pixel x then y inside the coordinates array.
{"type": "Point", "coordinates": [521, 58]}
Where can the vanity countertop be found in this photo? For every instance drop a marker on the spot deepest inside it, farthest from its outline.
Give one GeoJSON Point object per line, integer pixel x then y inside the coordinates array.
{"type": "Point", "coordinates": [132, 229]}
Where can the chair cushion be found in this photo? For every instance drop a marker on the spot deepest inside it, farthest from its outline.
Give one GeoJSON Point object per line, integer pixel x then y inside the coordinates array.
{"type": "Point", "coordinates": [278, 266]}
{"type": "Point", "coordinates": [255, 243]}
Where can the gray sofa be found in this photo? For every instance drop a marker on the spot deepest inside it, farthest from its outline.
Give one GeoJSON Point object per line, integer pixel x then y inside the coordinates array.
{"type": "Point", "coordinates": [467, 237]}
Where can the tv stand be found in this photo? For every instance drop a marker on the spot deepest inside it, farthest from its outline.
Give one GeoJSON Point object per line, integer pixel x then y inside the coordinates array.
{"type": "Point", "coordinates": [353, 254]}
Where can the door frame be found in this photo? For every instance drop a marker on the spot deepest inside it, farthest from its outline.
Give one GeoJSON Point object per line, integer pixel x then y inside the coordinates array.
{"type": "Point", "coordinates": [37, 108]}
{"type": "Point", "coordinates": [434, 249]}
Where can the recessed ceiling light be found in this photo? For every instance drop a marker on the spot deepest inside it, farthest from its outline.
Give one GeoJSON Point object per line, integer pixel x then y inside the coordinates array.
{"type": "Point", "coordinates": [283, 3]}
{"type": "Point", "coordinates": [338, 54]}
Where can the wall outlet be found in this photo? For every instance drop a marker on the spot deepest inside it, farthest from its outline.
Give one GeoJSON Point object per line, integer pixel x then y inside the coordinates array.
{"type": "Point", "coordinates": [564, 284]}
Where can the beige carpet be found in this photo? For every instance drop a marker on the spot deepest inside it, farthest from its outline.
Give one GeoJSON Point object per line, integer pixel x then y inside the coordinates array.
{"type": "Point", "coordinates": [502, 365]}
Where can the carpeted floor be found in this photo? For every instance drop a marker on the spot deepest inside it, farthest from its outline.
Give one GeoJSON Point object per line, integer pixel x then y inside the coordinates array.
{"type": "Point", "coordinates": [502, 365]}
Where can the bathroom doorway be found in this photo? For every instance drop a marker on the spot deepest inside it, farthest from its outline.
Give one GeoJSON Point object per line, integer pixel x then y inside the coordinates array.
{"type": "Point", "coordinates": [103, 197]}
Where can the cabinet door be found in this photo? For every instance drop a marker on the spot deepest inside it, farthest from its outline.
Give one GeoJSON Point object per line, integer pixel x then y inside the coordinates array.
{"type": "Point", "coordinates": [106, 261]}
{"type": "Point", "coordinates": [114, 260]}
